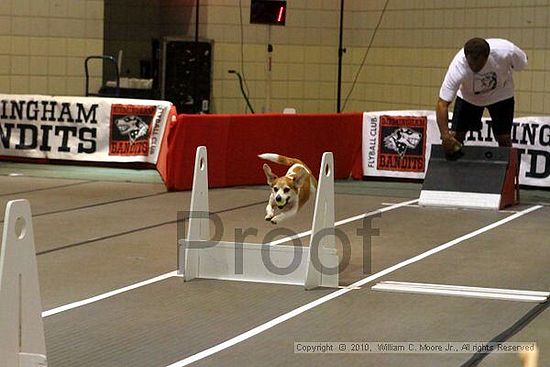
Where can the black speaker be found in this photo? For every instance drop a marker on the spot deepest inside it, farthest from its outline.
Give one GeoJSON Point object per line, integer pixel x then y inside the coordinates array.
{"type": "Point", "coordinates": [186, 74]}
{"type": "Point", "coordinates": [484, 177]}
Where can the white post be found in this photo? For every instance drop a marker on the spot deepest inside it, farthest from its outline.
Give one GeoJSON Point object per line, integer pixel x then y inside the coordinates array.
{"type": "Point", "coordinates": [322, 229]}
{"type": "Point", "coordinates": [199, 223]}
{"type": "Point", "coordinates": [21, 329]}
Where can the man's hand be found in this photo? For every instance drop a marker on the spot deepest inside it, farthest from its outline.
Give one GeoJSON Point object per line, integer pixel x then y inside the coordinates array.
{"type": "Point", "coordinates": [452, 147]}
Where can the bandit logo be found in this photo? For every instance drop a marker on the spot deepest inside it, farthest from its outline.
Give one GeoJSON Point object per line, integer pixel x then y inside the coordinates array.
{"type": "Point", "coordinates": [402, 143]}
{"type": "Point", "coordinates": [132, 126]}
{"type": "Point", "coordinates": [401, 139]}
{"type": "Point", "coordinates": [130, 129]}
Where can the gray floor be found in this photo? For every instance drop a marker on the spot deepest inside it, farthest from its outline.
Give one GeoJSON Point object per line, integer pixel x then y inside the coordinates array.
{"type": "Point", "coordinates": [100, 229]}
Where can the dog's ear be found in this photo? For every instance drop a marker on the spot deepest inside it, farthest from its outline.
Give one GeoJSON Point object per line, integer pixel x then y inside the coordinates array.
{"type": "Point", "coordinates": [300, 178]}
{"type": "Point", "coordinates": [269, 174]}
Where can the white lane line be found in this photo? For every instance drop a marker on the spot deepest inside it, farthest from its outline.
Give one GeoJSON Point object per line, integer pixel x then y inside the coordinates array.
{"type": "Point", "coordinates": [289, 315]}
{"type": "Point", "coordinates": [462, 291]}
{"type": "Point", "coordinates": [410, 205]}
{"type": "Point", "coordinates": [346, 221]}
{"type": "Point", "coordinates": [465, 294]}
{"type": "Point", "coordinates": [103, 296]}
{"type": "Point", "coordinates": [115, 292]}
{"type": "Point", "coordinates": [463, 287]}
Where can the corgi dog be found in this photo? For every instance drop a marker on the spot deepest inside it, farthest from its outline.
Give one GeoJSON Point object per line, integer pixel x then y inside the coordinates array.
{"type": "Point", "coordinates": [289, 192]}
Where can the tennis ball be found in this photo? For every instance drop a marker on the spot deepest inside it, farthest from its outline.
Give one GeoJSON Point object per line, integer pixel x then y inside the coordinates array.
{"type": "Point", "coordinates": [281, 203]}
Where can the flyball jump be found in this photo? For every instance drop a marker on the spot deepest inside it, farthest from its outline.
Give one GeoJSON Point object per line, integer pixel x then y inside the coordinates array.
{"type": "Point", "coordinates": [310, 266]}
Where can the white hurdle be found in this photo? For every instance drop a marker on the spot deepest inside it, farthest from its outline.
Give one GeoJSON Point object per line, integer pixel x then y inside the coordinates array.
{"type": "Point", "coordinates": [22, 341]}
{"type": "Point", "coordinates": [310, 266]}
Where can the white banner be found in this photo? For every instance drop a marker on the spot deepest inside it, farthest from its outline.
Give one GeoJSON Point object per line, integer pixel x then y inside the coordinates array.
{"type": "Point", "coordinates": [82, 128]}
{"type": "Point", "coordinates": [398, 144]}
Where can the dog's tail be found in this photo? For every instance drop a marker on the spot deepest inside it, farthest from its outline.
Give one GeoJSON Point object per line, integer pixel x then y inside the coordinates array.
{"type": "Point", "coordinates": [281, 159]}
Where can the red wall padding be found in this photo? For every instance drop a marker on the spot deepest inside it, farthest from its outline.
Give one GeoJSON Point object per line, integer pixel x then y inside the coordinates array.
{"type": "Point", "coordinates": [234, 142]}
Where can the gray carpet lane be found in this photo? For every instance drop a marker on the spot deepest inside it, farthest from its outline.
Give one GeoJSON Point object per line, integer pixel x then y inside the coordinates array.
{"type": "Point", "coordinates": [538, 331]}
{"type": "Point", "coordinates": [90, 224]}
{"type": "Point", "coordinates": [393, 249]}
{"type": "Point", "coordinates": [67, 196]}
{"type": "Point", "coordinates": [375, 316]}
{"type": "Point", "coordinates": [105, 246]}
{"type": "Point", "coordinates": [156, 325]}
{"type": "Point", "coordinates": [406, 232]}
{"type": "Point", "coordinates": [86, 271]}
{"type": "Point", "coordinates": [21, 185]}
{"type": "Point", "coordinates": [91, 268]}
{"type": "Point", "coordinates": [369, 316]}
{"type": "Point", "coordinates": [96, 267]}
{"type": "Point", "coordinates": [514, 256]}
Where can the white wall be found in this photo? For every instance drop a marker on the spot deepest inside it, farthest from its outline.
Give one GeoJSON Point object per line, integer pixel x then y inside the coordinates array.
{"type": "Point", "coordinates": [404, 67]}
{"type": "Point", "coordinates": [43, 44]}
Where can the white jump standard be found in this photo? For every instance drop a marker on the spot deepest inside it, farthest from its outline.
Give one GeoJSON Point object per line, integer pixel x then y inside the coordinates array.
{"type": "Point", "coordinates": [22, 342]}
{"type": "Point", "coordinates": [313, 266]}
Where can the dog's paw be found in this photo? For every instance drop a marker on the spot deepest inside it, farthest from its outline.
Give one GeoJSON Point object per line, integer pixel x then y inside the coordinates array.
{"type": "Point", "coordinates": [273, 221]}
{"type": "Point", "coordinates": [268, 217]}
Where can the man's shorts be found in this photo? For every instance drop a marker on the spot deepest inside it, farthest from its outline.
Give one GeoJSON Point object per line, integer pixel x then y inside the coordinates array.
{"type": "Point", "coordinates": [467, 117]}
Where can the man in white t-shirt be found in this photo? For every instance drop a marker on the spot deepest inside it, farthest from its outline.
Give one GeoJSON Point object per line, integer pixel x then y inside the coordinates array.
{"type": "Point", "coordinates": [480, 76]}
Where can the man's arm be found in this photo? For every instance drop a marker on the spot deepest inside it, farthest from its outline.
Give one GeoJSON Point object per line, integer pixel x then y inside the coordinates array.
{"type": "Point", "coordinates": [451, 146]}
{"type": "Point", "coordinates": [442, 116]}
{"type": "Point", "coordinates": [518, 58]}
